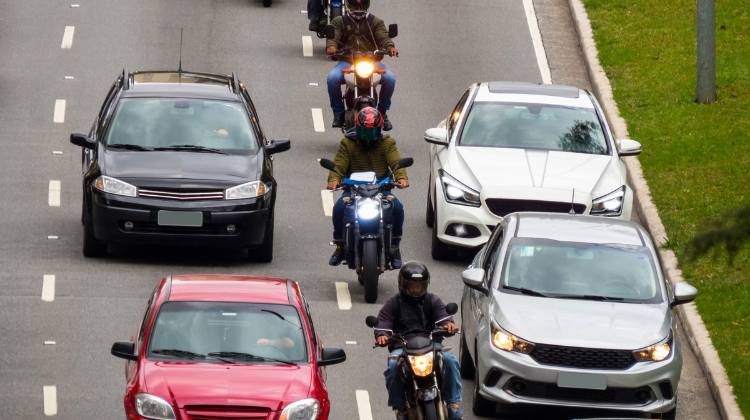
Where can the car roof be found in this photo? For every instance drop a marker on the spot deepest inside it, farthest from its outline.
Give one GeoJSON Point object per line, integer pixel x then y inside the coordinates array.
{"type": "Point", "coordinates": [577, 228]}
{"type": "Point", "coordinates": [519, 92]}
{"type": "Point", "coordinates": [174, 84]}
{"type": "Point", "coordinates": [228, 288]}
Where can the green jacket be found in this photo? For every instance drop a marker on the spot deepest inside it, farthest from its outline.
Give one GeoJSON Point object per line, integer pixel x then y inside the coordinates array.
{"type": "Point", "coordinates": [364, 41]}
{"type": "Point", "coordinates": [352, 158]}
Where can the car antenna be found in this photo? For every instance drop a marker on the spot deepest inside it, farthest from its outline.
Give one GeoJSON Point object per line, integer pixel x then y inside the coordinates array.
{"type": "Point", "coordinates": [179, 68]}
{"type": "Point", "coordinates": [572, 203]}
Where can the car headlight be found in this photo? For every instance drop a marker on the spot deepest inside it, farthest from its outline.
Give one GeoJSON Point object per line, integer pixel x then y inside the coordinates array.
{"type": "Point", "coordinates": [306, 409]}
{"type": "Point", "coordinates": [153, 407]}
{"type": "Point", "coordinates": [509, 342]}
{"type": "Point", "coordinates": [610, 204]}
{"type": "Point", "coordinates": [656, 353]}
{"type": "Point", "coordinates": [422, 364]}
{"type": "Point", "coordinates": [456, 192]}
{"type": "Point", "coordinates": [364, 69]}
{"type": "Point", "coordinates": [114, 186]}
{"type": "Point", "coordinates": [248, 190]}
{"type": "Point", "coordinates": [368, 209]}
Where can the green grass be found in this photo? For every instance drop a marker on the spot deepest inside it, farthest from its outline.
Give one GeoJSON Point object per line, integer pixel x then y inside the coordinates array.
{"type": "Point", "coordinates": [696, 158]}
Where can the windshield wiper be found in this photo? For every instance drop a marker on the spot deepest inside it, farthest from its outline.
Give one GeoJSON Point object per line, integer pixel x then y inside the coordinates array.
{"type": "Point", "coordinates": [129, 147]}
{"type": "Point", "coordinates": [525, 291]}
{"type": "Point", "coordinates": [185, 354]}
{"type": "Point", "coordinates": [238, 355]}
{"type": "Point", "coordinates": [191, 148]}
{"type": "Point", "coordinates": [600, 298]}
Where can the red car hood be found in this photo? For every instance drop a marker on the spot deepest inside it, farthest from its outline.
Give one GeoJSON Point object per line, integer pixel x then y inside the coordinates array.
{"type": "Point", "coordinates": [209, 384]}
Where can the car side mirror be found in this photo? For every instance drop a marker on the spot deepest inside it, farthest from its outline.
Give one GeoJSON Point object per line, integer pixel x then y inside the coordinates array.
{"type": "Point", "coordinates": [474, 279]}
{"type": "Point", "coordinates": [437, 136]}
{"type": "Point", "coordinates": [278, 146]}
{"type": "Point", "coordinates": [451, 308]}
{"type": "Point", "coordinates": [627, 147]}
{"type": "Point", "coordinates": [392, 30]}
{"type": "Point", "coordinates": [329, 32]}
{"type": "Point", "coordinates": [372, 321]}
{"type": "Point", "coordinates": [331, 356]}
{"type": "Point", "coordinates": [405, 163]}
{"type": "Point", "coordinates": [83, 140]}
{"type": "Point", "coordinates": [683, 293]}
{"type": "Point", "coordinates": [124, 350]}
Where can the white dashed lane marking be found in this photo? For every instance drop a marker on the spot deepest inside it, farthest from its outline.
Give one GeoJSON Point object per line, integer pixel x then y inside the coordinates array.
{"type": "Point", "coordinates": [67, 41]}
{"type": "Point", "coordinates": [54, 193]}
{"type": "Point", "coordinates": [50, 400]}
{"type": "Point", "coordinates": [363, 405]}
{"type": "Point", "coordinates": [59, 116]}
{"type": "Point", "coordinates": [536, 37]}
{"type": "Point", "coordinates": [48, 288]}
{"type": "Point", "coordinates": [317, 116]}
{"type": "Point", "coordinates": [343, 296]}
{"type": "Point", "coordinates": [327, 197]}
{"type": "Point", "coordinates": [307, 46]}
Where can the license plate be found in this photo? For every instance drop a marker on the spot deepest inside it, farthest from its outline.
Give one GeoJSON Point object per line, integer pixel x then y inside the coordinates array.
{"type": "Point", "coordinates": [581, 380]}
{"type": "Point", "coordinates": [180, 218]}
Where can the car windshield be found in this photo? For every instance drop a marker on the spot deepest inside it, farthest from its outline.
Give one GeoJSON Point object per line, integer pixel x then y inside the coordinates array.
{"type": "Point", "coordinates": [534, 126]}
{"type": "Point", "coordinates": [574, 270]}
{"type": "Point", "coordinates": [226, 330]}
{"type": "Point", "coordinates": [155, 123]}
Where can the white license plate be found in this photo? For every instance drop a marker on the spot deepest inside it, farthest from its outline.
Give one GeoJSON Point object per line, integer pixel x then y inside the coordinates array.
{"type": "Point", "coordinates": [581, 380]}
{"type": "Point", "coordinates": [180, 218]}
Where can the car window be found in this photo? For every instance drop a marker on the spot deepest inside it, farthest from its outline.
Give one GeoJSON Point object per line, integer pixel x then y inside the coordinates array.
{"type": "Point", "coordinates": [534, 126]}
{"type": "Point", "coordinates": [146, 317]}
{"type": "Point", "coordinates": [456, 114]}
{"type": "Point", "coordinates": [310, 319]}
{"type": "Point", "coordinates": [151, 122]}
{"type": "Point", "coordinates": [108, 103]}
{"type": "Point", "coordinates": [490, 261]}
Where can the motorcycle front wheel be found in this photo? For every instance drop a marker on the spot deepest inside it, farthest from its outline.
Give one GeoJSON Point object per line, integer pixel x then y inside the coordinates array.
{"type": "Point", "coordinates": [370, 270]}
{"type": "Point", "coordinates": [430, 413]}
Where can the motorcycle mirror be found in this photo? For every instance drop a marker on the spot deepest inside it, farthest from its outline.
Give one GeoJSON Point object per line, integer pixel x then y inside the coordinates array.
{"type": "Point", "coordinates": [451, 308]}
{"type": "Point", "coordinates": [392, 30]}
{"type": "Point", "coordinates": [328, 164]}
{"type": "Point", "coordinates": [329, 32]}
{"type": "Point", "coordinates": [371, 321]}
{"type": "Point", "coordinates": [405, 163]}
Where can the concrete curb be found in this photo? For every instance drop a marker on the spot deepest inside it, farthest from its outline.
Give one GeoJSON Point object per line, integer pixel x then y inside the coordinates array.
{"type": "Point", "coordinates": [695, 331]}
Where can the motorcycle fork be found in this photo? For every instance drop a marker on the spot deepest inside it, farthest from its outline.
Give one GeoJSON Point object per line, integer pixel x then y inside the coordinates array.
{"type": "Point", "coordinates": [357, 256]}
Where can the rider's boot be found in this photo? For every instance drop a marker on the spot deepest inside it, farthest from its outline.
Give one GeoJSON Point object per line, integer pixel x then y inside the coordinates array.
{"type": "Point", "coordinates": [402, 415]}
{"type": "Point", "coordinates": [338, 120]}
{"type": "Point", "coordinates": [397, 262]}
{"type": "Point", "coordinates": [387, 126]}
{"type": "Point", "coordinates": [338, 254]}
{"type": "Point", "coordinates": [314, 25]}
{"type": "Point", "coordinates": [454, 413]}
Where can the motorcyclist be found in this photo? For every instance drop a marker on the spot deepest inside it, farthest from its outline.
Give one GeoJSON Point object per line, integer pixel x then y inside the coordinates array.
{"type": "Point", "coordinates": [415, 309]}
{"type": "Point", "coordinates": [314, 14]}
{"type": "Point", "coordinates": [365, 149]}
{"type": "Point", "coordinates": [360, 31]}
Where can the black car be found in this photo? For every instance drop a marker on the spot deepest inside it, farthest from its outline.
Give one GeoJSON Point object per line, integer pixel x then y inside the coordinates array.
{"type": "Point", "coordinates": [177, 158]}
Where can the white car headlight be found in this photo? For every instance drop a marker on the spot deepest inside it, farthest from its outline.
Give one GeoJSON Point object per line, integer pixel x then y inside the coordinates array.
{"type": "Point", "coordinates": [368, 209]}
{"type": "Point", "coordinates": [610, 204]}
{"type": "Point", "coordinates": [248, 190]}
{"type": "Point", "coordinates": [114, 186]}
{"type": "Point", "coordinates": [153, 407]}
{"type": "Point", "coordinates": [456, 192]}
{"type": "Point", "coordinates": [306, 409]}
{"type": "Point", "coordinates": [657, 352]}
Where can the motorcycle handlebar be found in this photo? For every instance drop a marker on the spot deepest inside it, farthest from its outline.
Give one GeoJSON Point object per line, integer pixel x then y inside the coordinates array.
{"type": "Point", "coordinates": [441, 332]}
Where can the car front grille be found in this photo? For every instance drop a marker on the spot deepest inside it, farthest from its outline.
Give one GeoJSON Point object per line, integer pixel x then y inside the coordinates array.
{"type": "Point", "coordinates": [547, 391]}
{"type": "Point", "coordinates": [221, 412]}
{"type": "Point", "coordinates": [181, 195]}
{"type": "Point", "coordinates": [504, 206]}
{"type": "Point", "coordinates": [582, 358]}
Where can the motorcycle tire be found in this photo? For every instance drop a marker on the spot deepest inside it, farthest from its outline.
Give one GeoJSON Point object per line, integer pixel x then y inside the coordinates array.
{"type": "Point", "coordinates": [430, 413]}
{"type": "Point", "coordinates": [349, 117]}
{"type": "Point", "coordinates": [370, 270]}
{"type": "Point", "coordinates": [267, 3]}
{"type": "Point", "coordinates": [336, 12]}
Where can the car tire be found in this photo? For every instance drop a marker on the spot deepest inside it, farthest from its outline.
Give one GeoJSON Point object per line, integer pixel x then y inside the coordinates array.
{"type": "Point", "coordinates": [481, 406]}
{"type": "Point", "coordinates": [267, 3]}
{"type": "Point", "coordinates": [264, 252]}
{"type": "Point", "coordinates": [669, 415]}
{"type": "Point", "coordinates": [439, 250]}
{"type": "Point", "coordinates": [429, 214]}
{"type": "Point", "coordinates": [467, 365]}
{"type": "Point", "coordinates": [92, 247]}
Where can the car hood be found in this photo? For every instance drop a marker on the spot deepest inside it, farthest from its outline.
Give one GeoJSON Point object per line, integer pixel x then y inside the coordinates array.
{"type": "Point", "coordinates": [504, 167]}
{"type": "Point", "coordinates": [209, 384]}
{"type": "Point", "coordinates": [581, 323]}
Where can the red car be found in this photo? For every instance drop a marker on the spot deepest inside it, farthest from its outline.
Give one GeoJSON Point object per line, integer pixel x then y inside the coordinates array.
{"type": "Point", "coordinates": [226, 347]}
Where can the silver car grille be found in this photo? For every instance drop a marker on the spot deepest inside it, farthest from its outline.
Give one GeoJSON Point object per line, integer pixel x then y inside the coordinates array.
{"type": "Point", "coordinates": [184, 196]}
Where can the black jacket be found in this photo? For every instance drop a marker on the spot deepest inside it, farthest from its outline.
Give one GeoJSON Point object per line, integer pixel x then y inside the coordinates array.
{"type": "Point", "coordinates": [401, 314]}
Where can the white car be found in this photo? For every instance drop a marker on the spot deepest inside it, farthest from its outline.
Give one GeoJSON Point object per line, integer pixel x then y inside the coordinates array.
{"type": "Point", "coordinates": [509, 147]}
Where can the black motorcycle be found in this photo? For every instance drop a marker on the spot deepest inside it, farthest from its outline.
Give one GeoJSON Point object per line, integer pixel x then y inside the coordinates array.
{"type": "Point", "coordinates": [362, 77]}
{"type": "Point", "coordinates": [368, 224]}
{"type": "Point", "coordinates": [331, 10]}
{"type": "Point", "coordinates": [422, 369]}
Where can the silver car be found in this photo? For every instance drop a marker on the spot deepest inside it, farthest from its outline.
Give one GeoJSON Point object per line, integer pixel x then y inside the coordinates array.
{"type": "Point", "coordinates": [573, 311]}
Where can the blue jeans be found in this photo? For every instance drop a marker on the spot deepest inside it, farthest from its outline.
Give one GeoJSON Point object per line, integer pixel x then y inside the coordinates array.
{"type": "Point", "coordinates": [336, 79]}
{"type": "Point", "coordinates": [314, 9]}
{"type": "Point", "coordinates": [451, 381]}
{"type": "Point", "coordinates": [338, 217]}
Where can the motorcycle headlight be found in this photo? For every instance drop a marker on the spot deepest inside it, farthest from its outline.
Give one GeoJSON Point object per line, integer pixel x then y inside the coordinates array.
{"type": "Point", "coordinates": [368, 209]}
{"type": "Point", "coordinates": [248, 190]}
{"type": "Point", "coordinates": [306, 409]}
{"type": "Point", "coordinates": [509, 342]}
{"type": "Point", "coordinates": [422, 364]}
{"type": "Point", "coordinates": [364, 69]}
{"type": "Point", "coordinates": [610, 204]}
{"type": "Point", "coordinates": [458, 193]}
{"type": "Point", "coordinates": [153, 407]}
{"type": "Point", "coordinates": [114, 186]}
{"type": "Point", "coordinates": [656, 353]}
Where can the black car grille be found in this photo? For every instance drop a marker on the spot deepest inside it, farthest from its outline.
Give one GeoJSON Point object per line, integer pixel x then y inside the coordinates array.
{"type": "Point", "coordinates": [206, 229]}
{"type": "Point", "coordinates": [505, 206]}
{"type": "Point", "coordinates": [181, 195]}
{"type": "Point", "coordinates": [582, 358]}
{"type": "Point", "coordinates": [547, 391]}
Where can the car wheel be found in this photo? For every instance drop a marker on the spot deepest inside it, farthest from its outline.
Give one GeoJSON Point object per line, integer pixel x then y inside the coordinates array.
{"type": "Point", "coordinates": [267, 3]}
{"type": "Point", "coordinates": [440, 251]}
{"type": "Point", "coordinates": [264, 252]}
{"type": "Point", "coordinates": [467, 365]}
{"type": "Point", "coordinates": [92, 247]}
{"type": "Point", "coordinates": [429, 214]}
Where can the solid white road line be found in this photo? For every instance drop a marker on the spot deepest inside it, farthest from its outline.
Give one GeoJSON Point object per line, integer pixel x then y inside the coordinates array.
{"type": "Point", "coordinates": [54, 193]}
{"type": "Point", "coordinates": [307, 46]}
{"type": "Point", "coordinates": [50, 400]}
{"type": "Point", "coordinates": [327, 196]}
{"type": "Point", "coordinates": [363, 404]}
{"type": "Point", "coordinates": [536, 37]}
{"type": "Point", "coordinates": [343, 296]}
{"type": "Point", "coordinates": [317, 114]}
{"type": "Point", "coordinates": [67, 41]}
{"type": "Point", "coordinates": [48, 288]}
{"type": "Point", "coordinates": [59, 116]}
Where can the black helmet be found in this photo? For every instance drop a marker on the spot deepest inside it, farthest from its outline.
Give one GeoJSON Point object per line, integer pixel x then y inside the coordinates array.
{"type": "Point", "coordinates": [361, 5]}
{"type": "Point", "coordinates": [369, 123]}
{"type": "Point", "coordinates": [413, 279]}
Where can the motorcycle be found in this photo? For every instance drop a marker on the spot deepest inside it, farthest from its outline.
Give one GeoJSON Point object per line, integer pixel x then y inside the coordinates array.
{"type": "Point", "coordinates": [368, 222]}
{"type": "Point", "coordinates": [422, 369]}
{"type": "Point", "coordinates": [362, 77]}
{"type": "Point", "coordinates": [331, 10]}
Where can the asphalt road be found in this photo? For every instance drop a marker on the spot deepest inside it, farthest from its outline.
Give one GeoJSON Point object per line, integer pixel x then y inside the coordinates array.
{"type": "Point", "coordinates": [445, 47]}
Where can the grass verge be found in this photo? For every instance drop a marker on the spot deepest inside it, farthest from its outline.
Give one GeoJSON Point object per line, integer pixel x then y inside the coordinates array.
{"type": "Point", "coordinates": [696, 158]}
